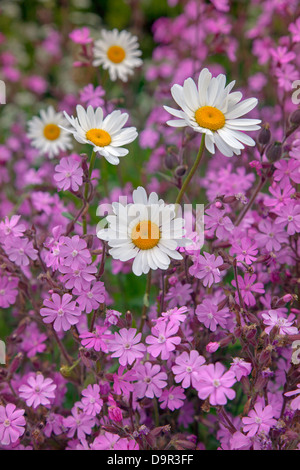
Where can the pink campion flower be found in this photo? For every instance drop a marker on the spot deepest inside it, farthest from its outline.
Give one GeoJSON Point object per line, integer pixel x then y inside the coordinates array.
{"type": "Point", "coordinates": [106, 441]}
{"type": "Point", "coordinates": [90, 299]}
{"type": "Point", "coordinates": [257, 81]}
{"type": "Point", "coordinates": [38, 391]}
{"type": "Point", "coordinates": [126, 444]}
{"type": "Point", "coordinates": [69, 174]}
{"type": "Point", "coordinates": [259, 420]}
{"type": "Point", "coordinates": [36, 84]}
{"type": "Point", "coordinates": [22, 252]}
{"type": "Point", "coordinates": [61, 311]}
{"type": "Point", "coordinates": [53, 244]}
{"type": "Point", "coordinates": [11, 227]}
{"type": "Point", "coordinates": [187, 367]}
{"type": "Point", "coordinates": [247, 285]}
{"type": "Point", "coordinates": [54, 425]}
{"type": "Point", "coordinates": [284, 324]}
{"type": "Point", "coordinates": [42, 202]}
{"type": "Point", "coordinates": [174, 315]}
{"type": "Point", "coordinates": [294, 28]}
{"type": "Point", "coordinates": [295, 403]}
{"type": "Point", "coordinates": [238, 441]}
{"type": "Point", "coordinates": [179, 294]}
{"type": "Point", "coordinates": [281, 195]}
{"type": "Point", "coordinates": [221, 5]}
{"type": "Point", "coordinates": [207, 268]}
{"type": "Point", "coordinates": [12, 424]}
{"type": "Point", "coordinates": [281, 55]}
{"type": "Point", "coordinates": [74, 252]}
{"type": "Point", "coordinates": [150, 380]}
{"type": "Point", "coordinates": [80, 278]}
{"type": "Point", "coordinates": [91, 401]}
{"type": "Point", "coordinates": [33, 340]}
{"type": "Point", "coordinates": [90, 96]}
{"type": "Point", "coordinates": [240, 368]}
{"type": "Point", "coordinates": [173, 398]}
{"type": "Point", "coordinates": [81, 36]}
{"type": "Point", "coordinates": [287, 170]}
{"type": "Point", "coordinates": [8, 291]}
{"type": "Point", "coordinates": [289, 215]}
{"type": "Point", "coordinates": [186, 414]}
{"type": "Point", "coordinates": [216, 222]}
{"type": "Point", "coordinates": [245, 249]}
{"type": "Point", "coordinates": [162, 341]}
{"type": "Point", "coordinates": [97, 339]}
{"type": "Point", "coordinates": [271, 236]}
{"type": "Point", "coordinates": [122, 381]}
{"type": "Point", "coordinates": [149, 138]}
{"type": "Point", "coordinates": [209, 314]}
{"type": "Point", "coordinates": [111, 317]}
{"type": "Point", "coordinates": [79, 422]}
{"type": "Point", "coordinates": [127, 346]}
{"type": "Point", "coordinates": [215, 383]}
{"type": "Point", "coordinates": [286, 75]}
{"type": "Point", "coordinates": [5, 156]}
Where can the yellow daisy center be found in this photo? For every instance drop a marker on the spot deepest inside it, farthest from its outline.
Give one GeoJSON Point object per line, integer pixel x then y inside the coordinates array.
{"type": "Point", "coordinates": [99, 137]}
{"type": "Point", "coordinates": [51, 131]}
{"type": "Point", "coordinates": [145, 235]}
{"type": "Point", "coordinates": [210, 118]}
{"type": "Point", "coordinates": [116, 54]}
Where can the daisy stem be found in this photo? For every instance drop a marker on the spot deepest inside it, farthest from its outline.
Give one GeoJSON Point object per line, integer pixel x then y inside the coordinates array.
{"type": "Point", "coordinates": [146, 301]}
{"type": "Point", "coordinates": [86, 189]}
{"type": "Point", "coordinates": [192, 171]}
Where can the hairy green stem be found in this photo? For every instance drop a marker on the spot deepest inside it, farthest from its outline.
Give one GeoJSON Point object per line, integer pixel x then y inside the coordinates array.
{"type": "Point", "coordinates": [146, 300]}
{"type": "Point", "coordinates": [86, 189]}
{"type": "Point", "coordinates": [192, 171]}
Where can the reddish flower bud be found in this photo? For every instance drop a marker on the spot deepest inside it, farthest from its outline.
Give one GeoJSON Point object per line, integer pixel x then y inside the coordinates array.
{"type": "Point", "coordinates": [229, 199]}
{"type": "Point", "coordinates": [15, 363]}
{"type": "Point", "coordinates": [295, 118]}
{"type": "Point", "coordinates": [264, 135]}
{"type": "Point", "coordinates": [180, 171]}
{"type": "Point", "coordinates": [274, 151]}
{"type": "Point", "coordinates": [169, 161]}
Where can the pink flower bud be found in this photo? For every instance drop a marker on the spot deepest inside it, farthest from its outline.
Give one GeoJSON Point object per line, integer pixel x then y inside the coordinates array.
{"type": "Point", "coordinates": [212, 347]}
{"type": "Point", "coordinates": [115, 414]}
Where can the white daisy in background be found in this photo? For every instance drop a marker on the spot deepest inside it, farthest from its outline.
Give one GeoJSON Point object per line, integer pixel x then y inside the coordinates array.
{"type": "Point", "coordinates": [107, 136]}
{"type": "Point", "coordinates": [212, 110]}
{"type": "Point", "coordinates": [117, 52]}
{"type": "Point", "coordinates": [46, 134]}
{"type": "Point", "coordinates": [147, 231]}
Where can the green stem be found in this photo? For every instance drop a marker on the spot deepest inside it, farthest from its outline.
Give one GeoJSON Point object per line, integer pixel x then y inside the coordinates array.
{"type": "Point", "coordinates": [146, 300]}
{"type": "Point", "coordinates": [86, 189]}
{"type": "Point", "coordinates": [251, 201]}
{"type": "Point", "coordinates": [192, 172]}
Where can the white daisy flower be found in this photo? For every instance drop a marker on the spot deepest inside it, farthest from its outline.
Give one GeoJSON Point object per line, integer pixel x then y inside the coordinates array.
{"type": "Point", "coordinates": [105, 135]}
{"type": "Point", "coordinates": [147, 231]}
{"type": "Point", "coordinates": [212, 109]}
{"type": "Point", "coordinates": [118, 52]}
{"type": "Point", "coordinates": [46, 134]}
